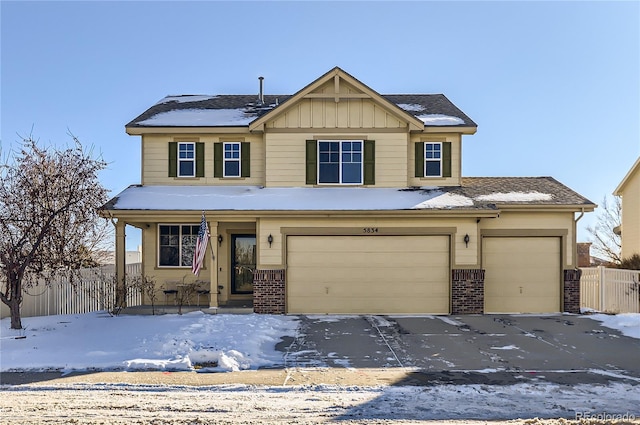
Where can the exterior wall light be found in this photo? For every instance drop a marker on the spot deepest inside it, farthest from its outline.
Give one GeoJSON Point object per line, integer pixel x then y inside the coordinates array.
{"type": "Point", "coordinates": [220, 239]}
{"type": "Point", "coordinates": [466, 240]}
{"type": "Point", "coordinates": [270, 239]}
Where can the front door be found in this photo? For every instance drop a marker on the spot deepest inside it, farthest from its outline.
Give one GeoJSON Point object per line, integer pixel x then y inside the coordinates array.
{"type": "Point", "coordinates": [243, 263]}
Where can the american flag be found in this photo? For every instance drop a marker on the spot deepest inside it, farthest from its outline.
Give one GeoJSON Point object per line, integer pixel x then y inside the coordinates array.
{"type": "Point", "coordinates": [201, 246]}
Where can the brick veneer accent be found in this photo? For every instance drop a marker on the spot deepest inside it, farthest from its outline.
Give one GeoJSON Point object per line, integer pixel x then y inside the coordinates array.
{"type": "Point", "coordinates": [268, 291]}
{"type": "Point", "coordinates": [467, 291]}
{"type": "Point", "coordinates": [571, 291]}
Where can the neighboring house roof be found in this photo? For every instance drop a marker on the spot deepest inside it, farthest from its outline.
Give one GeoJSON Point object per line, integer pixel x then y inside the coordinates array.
{"type": "Point", "coordinates": [635, 168]}
{"type": "Point", "coordinates": [476, 193]}
{"type": "Point", "coordinates": [432, 110]}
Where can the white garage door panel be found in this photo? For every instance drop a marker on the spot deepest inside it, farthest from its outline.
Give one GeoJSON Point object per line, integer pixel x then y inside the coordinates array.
{"type": "Point", "coordinates": [522, 275]}
{"type": "Point", "coordinates": [368, 274]}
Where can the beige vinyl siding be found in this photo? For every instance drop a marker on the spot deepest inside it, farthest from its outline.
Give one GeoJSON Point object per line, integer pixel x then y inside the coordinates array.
{"type": "Point", "coordinates": [537, 224]}
{"type": "Point", "coordinates": [456, 161]}
{"type": "Point", "coordinates": [155, 156]}
{"type": "Point", "coordinates": [361, 274]}
{"type": "Point", "coordinates": [285, 159]}
{"type": "Point", "coordinates": [522, 274]}
{"type": "Point", "coordinates": [275, 256]}
{"type": "Point", "coordinates": [631, 217]}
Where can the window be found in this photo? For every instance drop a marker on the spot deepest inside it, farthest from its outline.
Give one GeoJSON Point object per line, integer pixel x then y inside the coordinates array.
{"type": "Point", "coordinates": [232, 159]}
{"type": "Point", "coordinates": [176, 245]}
{"type": "Point", "coordinates": [186, 159]}
{"type": "Point", "coordinates": [433, 159]}
{"type": "Point", "coordinates": [340, 162]}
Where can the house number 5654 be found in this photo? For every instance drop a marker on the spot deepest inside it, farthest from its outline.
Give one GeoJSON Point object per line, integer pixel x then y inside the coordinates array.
{"type": "Point", "coordinates": [370, 230]}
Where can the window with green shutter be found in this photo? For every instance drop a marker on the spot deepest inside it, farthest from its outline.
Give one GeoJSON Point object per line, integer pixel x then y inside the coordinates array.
{"type": "Point", "coordinates": [369, 163]}
{"type": "Point", "coordinates": [340, 162]}
{"type": "Point", "coordinates": [433, 159]}
{"type": "Point", "coordinates": [231, 159]}
{"type": "Point", "coordinates": [186, 159]}
{"type": "Point", "coordinates": [312, 162]}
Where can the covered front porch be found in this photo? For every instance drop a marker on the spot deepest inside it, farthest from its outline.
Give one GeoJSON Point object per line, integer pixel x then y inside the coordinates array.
{"type": "Point", "coordinates": [225, 279]}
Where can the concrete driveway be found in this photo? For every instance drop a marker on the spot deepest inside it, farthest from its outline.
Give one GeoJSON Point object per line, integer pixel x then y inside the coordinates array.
{"type": "Point", "coordinates": [492, 349]}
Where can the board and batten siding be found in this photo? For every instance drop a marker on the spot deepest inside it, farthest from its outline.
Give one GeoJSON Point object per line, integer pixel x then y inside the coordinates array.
{"type": "Point", "coordinates": [155, 156]}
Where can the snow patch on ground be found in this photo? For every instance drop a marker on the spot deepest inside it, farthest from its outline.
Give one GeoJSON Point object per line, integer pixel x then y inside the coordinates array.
{"type": "Point", "coordinates": [95, 341]}
{"type": "Point", "coordinates": [627, 323]}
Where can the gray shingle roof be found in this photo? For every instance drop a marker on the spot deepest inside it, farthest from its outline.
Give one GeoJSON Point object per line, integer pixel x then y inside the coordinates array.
{"type": "Point", "coordinates": [496, 190]}
{"type": "Point", "coordinates": [476, 193]}
{"type": "Point", "coordinates": [248, 105]}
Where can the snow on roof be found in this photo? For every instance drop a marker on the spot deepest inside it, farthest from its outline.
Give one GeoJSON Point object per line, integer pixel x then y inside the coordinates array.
{"type": "Point", "coordinates": [515, 197]}
{"type": "Point", "coordinates": [200, 118]}
{"type": "Point", "coordinates": [445, 200]}
{"type": "Point", "coordinates": [439, 119]}
{"type": "Point", "coordinates": [255, 198]}
{"type": "Point", "coordinates": [411, 107]}
{"type": "Point", "coordinates": [183, 98]}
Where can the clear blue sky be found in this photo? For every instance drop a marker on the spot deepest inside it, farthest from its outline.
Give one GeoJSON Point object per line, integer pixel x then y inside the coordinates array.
{"type": "Point", "coordinates": [553, 86]}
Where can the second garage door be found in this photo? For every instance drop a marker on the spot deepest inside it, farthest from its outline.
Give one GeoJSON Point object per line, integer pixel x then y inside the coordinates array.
{"type": "Point", "coordinates": [522, 275]}
{"type": "Point", "coordinates": [368, 274]}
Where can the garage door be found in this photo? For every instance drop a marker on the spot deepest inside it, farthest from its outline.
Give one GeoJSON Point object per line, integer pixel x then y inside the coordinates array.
{"type": "Point", "coordinates": [522, 275]}
{"type": "Point", "coordinates": [368, 274]}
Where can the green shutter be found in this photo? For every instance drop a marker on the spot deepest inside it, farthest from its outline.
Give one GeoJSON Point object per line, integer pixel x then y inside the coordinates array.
{"type": "Point", "coordinates": [173, 159]}
{"type": "Point", "coordinates": [446, 159]}
{"type": "Point", "coordinates": [312, 162]}
{"type": "Point", "coordinates": [419, 159]}
{"type": "Point", "coordinates": [217, 159]}
{"type": "Point", "coordinates": [199, 159]}
{"type": "Point", "coordinates": [369, 162]}
{"type": "Point", "coordinates": [245, 161]}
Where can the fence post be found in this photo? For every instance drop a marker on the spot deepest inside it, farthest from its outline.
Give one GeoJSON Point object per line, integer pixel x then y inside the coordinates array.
{"type": "Point", "coordinates": [601, 284]}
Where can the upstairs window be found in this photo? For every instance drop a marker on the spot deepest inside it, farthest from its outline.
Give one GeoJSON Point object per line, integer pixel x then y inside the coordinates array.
{"type": "Point", "coordinates": [186, 159]}
{"type": "Point", "coordinates": [176, 245]}
{"type": "Point", "coordinates": [340, 162]}
{"type": "Point", "coordinates": [232, 160]}
{"type": "Point", "coordinates": [433, 159]}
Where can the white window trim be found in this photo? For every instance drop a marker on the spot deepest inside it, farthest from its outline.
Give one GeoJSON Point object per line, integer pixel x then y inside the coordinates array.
{"type": "Point", "coordinates": [179, 244]}
{"type": "Point", "coordinates": [225, 160]}
{"type": "Point", "coordinates": [186, 160]}
{"type": "Point", "coordinates": [425, 160]}
{"type": "Point", "coordinates": [340, 163]}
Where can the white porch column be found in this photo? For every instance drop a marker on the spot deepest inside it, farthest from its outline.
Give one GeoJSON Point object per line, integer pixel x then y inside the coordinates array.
{"type": "Point", "coordinates": [121, 257]}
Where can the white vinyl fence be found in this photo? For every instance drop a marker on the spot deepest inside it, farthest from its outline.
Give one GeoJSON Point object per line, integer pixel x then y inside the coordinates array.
{"type": "Point", "coordinates": [94, 291]}
{"type": "Point", "coordinates": [610, 290]}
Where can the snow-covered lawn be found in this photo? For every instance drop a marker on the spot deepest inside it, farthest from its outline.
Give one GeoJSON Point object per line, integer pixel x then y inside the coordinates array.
{"type": "Point", "coordinates": [96, 341]}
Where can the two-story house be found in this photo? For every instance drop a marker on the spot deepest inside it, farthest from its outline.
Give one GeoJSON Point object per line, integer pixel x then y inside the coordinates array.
{"type": "Point", "coordinates": [337, 199]}
{"type": "Point", "coordinates": [629, 191]}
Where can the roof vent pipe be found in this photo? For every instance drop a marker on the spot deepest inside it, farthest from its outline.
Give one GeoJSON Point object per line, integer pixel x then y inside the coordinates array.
{"type": "Point", "coordinates": [261, 96]}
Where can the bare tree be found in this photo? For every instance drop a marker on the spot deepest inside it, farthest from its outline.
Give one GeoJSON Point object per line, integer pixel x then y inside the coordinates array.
{"type": "Point", "coordinates": [48, 215]}
{"type": "Point", "coordinates": [607, 243]}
